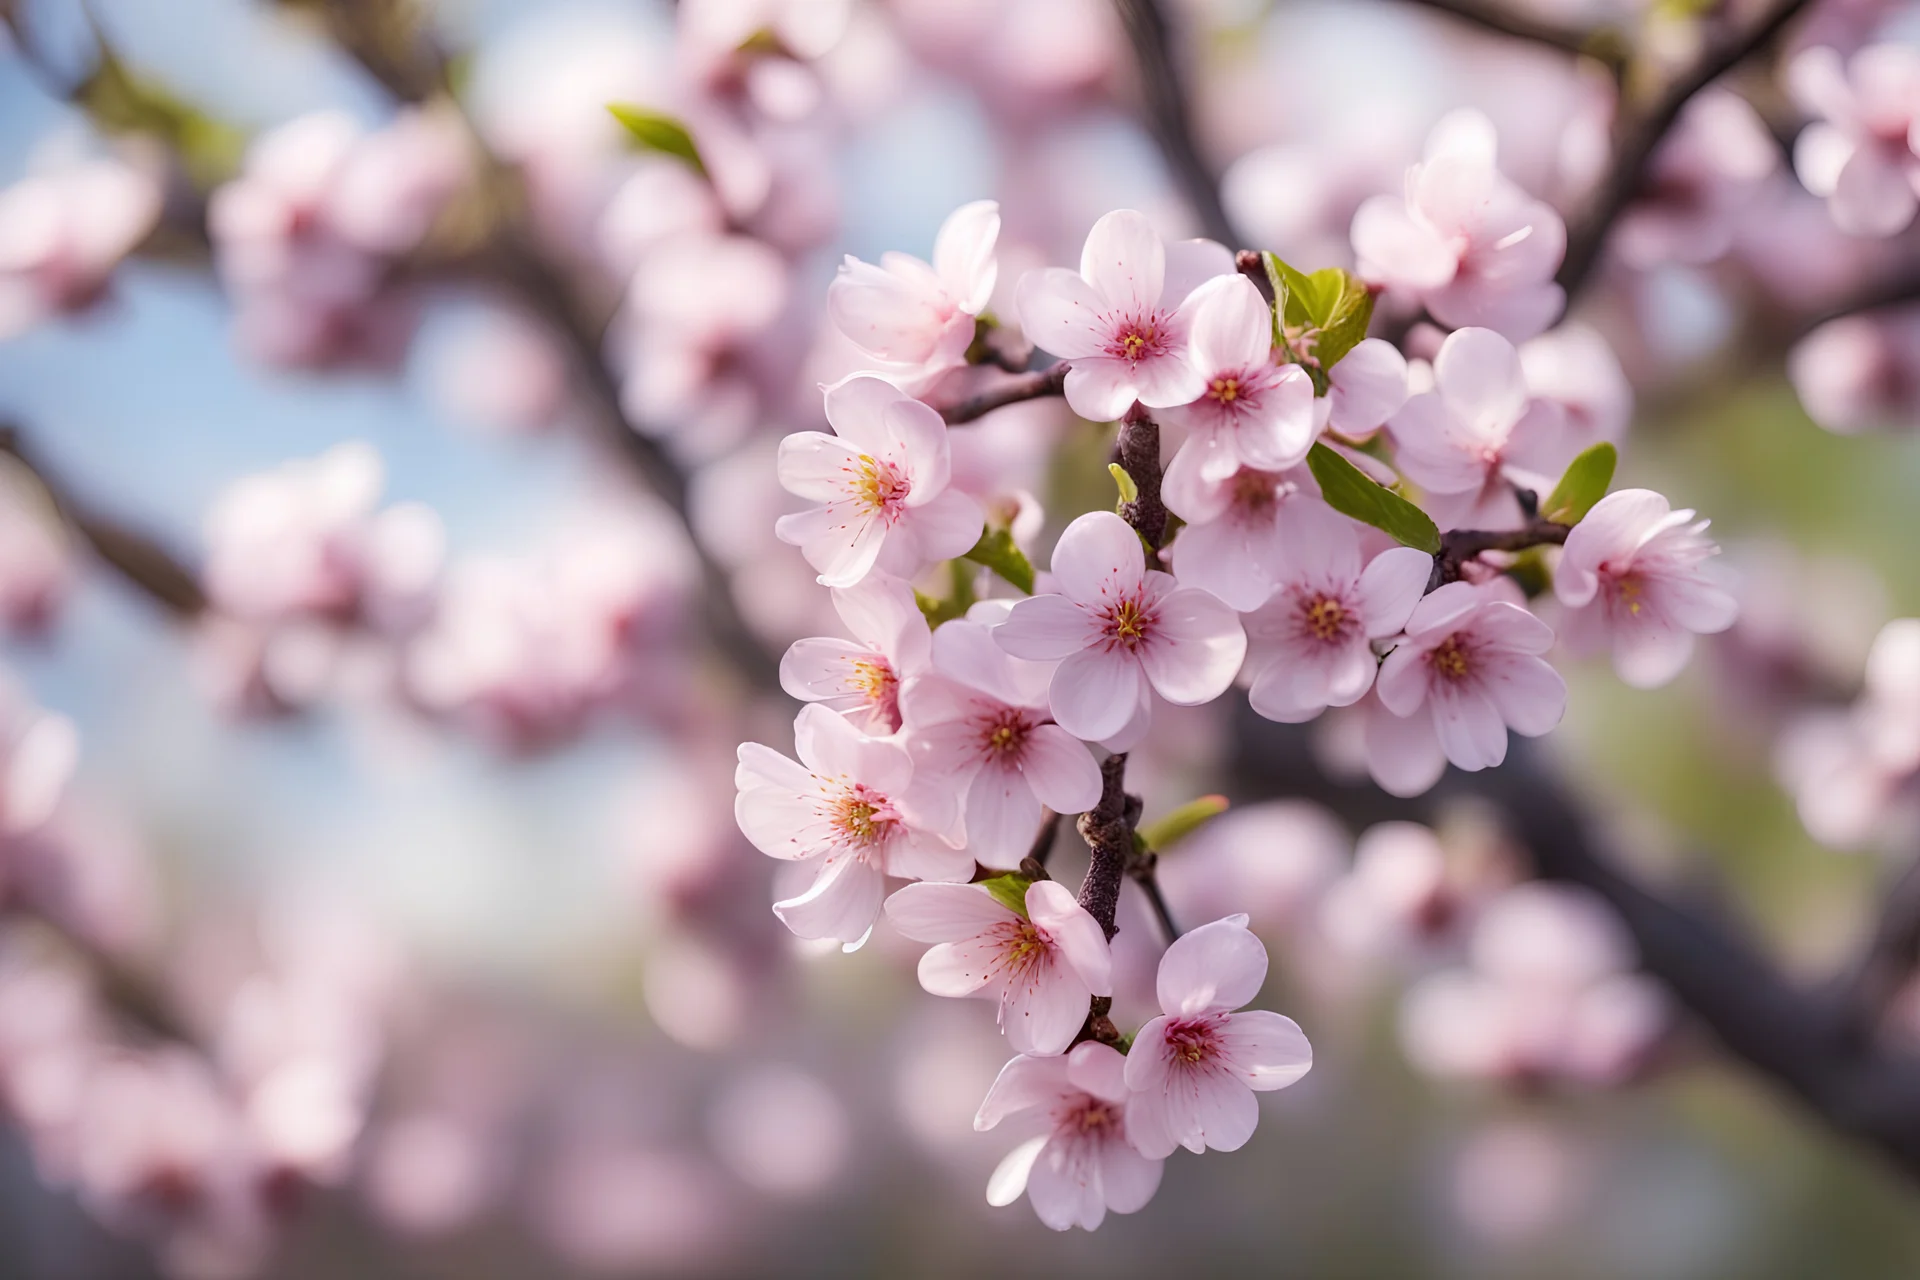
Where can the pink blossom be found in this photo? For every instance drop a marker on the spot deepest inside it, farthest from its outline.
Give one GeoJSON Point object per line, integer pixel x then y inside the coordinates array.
{"type": "Point", "coordinates": [1234, 541]}
{"type": "Point", "coordinates": [1471, 246]}
{"type": "Point", "coordinates": [1861, 372]}
{"type": "Point", "coordinates": [1465, 441]}
{"type": "Point", "coordinates": [1705, 177]}
{"type": "Point", "coordinates": [1635, 574]}
{"type": "Point", "coordinates": [1118, 628]}
{"type": "Point", "coordinates": [852, 812]}
{"type": "Point", "coordinates": [1863, 155]}
{"type": "Point", "coordinates": [1124, 320]}
{"type": "Point", "coordinates": [1252, 413]}
{"type": "Point", "coordinates": [1467, 670]}
{"type": "Point", "coordinates": [1549, 993]}
{"type": "Point", "coordinates": [915, 318]}
{"type": "Point", "coordinates": [979, 718]}
{"type": "Point", "coordinates": [862, 677]}
{"type": "Point", "coordinates": [1082, 1161]}
{"type": "Point", "coordinates": [1194, 1069]}
{"type": "Point", "coordinates": [883, 477]}
{"type": "Point", "coordinates": [1310, 644]}
{"type": "Point", "coordinates": [1043, 964]}
{"type": "Point", "coordinates": [1365, 388]}
{"type": "Point", "coordinates": [64, 231]}
{"type": "Point", "coordinates": [1574, 368]}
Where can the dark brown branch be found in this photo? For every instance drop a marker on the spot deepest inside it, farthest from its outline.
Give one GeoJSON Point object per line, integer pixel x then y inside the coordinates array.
{"type": "Point", "coordinates": [1138, 450]}
{"type": "Point", "coordinates": [1168, 117]}
{"type": "Point", "coordinates": [1601, 43]}
{"type": "Point", "coordinates": [1458, 546]}
{"type": "Point", "coordinates": [1109, 834]}
{"type": "Point", "coordinates": [1638, 138]}
{"type": "Point", "coordinates": [1889, 959]}
{"type": "Point", "coordinates": [1141, 868]}
{"type": "Point", "coordinates": [139, 560]}
{"type": "Point", "coordinates": [1890, 290]}
{"type": "Point", "coordinates": [1050, 381]}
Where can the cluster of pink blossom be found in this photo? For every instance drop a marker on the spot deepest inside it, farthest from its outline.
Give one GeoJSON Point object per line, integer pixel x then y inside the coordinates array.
{"type": "Point", "coordinates": [931, 753]}
{"type": "Point", "coordinates": [63, 231]}
{"type": "Point", "coordinates": [312, 238]}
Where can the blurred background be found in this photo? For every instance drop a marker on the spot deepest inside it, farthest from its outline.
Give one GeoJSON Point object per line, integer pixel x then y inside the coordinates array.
{"type": "Point", "coordinates": [374, 906]}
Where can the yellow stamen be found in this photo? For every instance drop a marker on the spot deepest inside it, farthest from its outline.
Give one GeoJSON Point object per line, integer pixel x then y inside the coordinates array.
{"type": "Point", "coordinates": [1324, 616]}
{"type": "Point", "coordinates": [876, 484]}
{"type": "Point", "coordinates": [1450, 659]}
{"type": "Point", "coordinates": [1225, 390]}
{"type": "Point", "coordinates": [1129, 625]}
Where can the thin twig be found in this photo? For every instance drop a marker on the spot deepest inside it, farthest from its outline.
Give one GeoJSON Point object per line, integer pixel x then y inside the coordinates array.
{"type": "Point", "coordinates": [1168, 114]}
{"type": "Point", "coordinates": [1601, 43]}
{"type": "Point", "coordinates": [1039, 384]}
{"type": "Point", "coordinates": [1639, 138]}
{"type": "Point", "coordinates": [139, 560]}
{"type": "Point", "coordinates": [1458, 546]}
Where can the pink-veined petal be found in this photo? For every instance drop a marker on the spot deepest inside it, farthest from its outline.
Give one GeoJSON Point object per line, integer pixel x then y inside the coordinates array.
{"type": "Point", "coordinates": [1125, 261]}
{"type": "Point", "coordinates": [1194, 648]}
{"type": "Point", "coordinates": [841, 904]}
{"type": "Point", "coordinates": [1060, 769]}
{"type": "Point", "coordinates": [1097, 562]}
{"type": "Point", "coordinates": [1217, 967]}
{"type": "Point", "coordinates": [1095, 693]}
{"type": "Point", "coordinates": [1061, 313]}
{"type": "Point", "coordinates": [1390, 588]}
{"type": "Point", "coordinates": [1268, 1051]}
{"type": "Point", "coordinates": [945, 912]}
{"type": "Point", "coordinates": [1077, 935]}
{"type": "Point", "coordinates": [1045, 629]}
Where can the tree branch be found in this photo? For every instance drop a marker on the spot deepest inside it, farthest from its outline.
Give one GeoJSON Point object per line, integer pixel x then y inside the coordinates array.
{"type": "Point", "coordinates": [1168, 118]}
{"type": "Point", "coordinates": [1638, 139]}
{"type": "Point", "coordinates": [1601, 43]}
{"type": "Point", "coordinates": [1890, 290]}
{"type": "Point", "coordinates": [1138, 450]}
{"type": "Point", "coordinates": [1050, 381]}
{"type": "Point", "coordinates": [1458, 546]}
{"type": "Point", "coordinates": [140, 561]}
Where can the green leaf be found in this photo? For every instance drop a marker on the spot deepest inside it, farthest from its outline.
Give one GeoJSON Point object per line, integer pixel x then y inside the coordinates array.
{"type": "Point", "coordinates": [1170, 829]}
{"type": "Point", "coordinates": [1584, 484]}
{"type": "Point", "coordinates": [1294, 294]}
{"type": "Point", "coordinates": [955, 605]}
{"type": "Point", "coordinates": [996, 550]}
{"type": "Point", "coordinates": [121, 101]}
{"type": "Point", "coordinates": [1347, 489]}
{"type": "Point", "coordinates": [655, 131]}
{"type": "Point", "coordinates": [1129, 491]}
{"type": "Point", "coordinates": [1010, 891]}
{"type": "Point", "coordinates": [1346, 322]}
{"type": "Point", "coordinates": [1334, 308]}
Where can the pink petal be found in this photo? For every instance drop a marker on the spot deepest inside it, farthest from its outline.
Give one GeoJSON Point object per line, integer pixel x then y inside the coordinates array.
{"type": "Point", "coordinates": [1210, 1110]}
{"type": "Point", "coordinates": [841, 903]}
{"type": "Point", "coordinates": [840, 542]}
{"type": "Point", "coordinates": [958, 969]}
{"type": "Point", "coordinates": [1873, 196]}
{"type": "Point", "coordinates": [1060, 770]}
{"type": "Point", "coordinates": [921, 436]}
{"type": "Point", "coordinates": [945, 527]}
{"type": "Point", "coordinates": [1217, 967]}
{"type": "Point", "coordinates": [1190, 264]}
{"type": "Point", "coordinates": [1102, 388]}
{"type": "Point", "coordinates": [1267, 1051]}
{"type": "Point", "coordinates": [1442, 610]}
{"type": "Point", "coordinates": [945, 912]}
{"type": "Point", "coordinates": [1162, 381]}
{"type": "Point", "coordinates": [1232, 326]}
{"type": "Point", "coordinates": [1042, 1014]}
{"type": "Point", "coordinates": [775, 805]}
{"type": "Point", "coordinates": [1125, 261]}
{"type": "Point", "coordinates": [1024, 1084]}
{"type": "Point", "coordinates": [1394, 248]}
{"type": "Point", "coordinates": [1127, 1178]}
{"type": "Point", "coordinates": [1368, 386]}
{"type": "Point", "coordinates": [1002, 815]}
{"type": "Point", "coordinates": [1098, 1069]}
{"type": "Point", "coordinates": [817, 668]}
{"type": "Point", "coordinates": [882, 612]}
{"type": "Point", "coordinates": [1098, 561]}
{"type": "Point", "coordinates": [1045, 629]}
{"type": "Point", "coordinates": [1391, 587]}
{"type": "Point", "coordinates": [1403, 754]}
{"type": "Point", "coordinates": [1529, 694]}
{"type": "Point", "coordinates": [1077, 935]}
{"type": "Point", "coordinates": [1062, 313]}
{"type": "Point", "coordinates": [1470, 729]}
{"type": "Point", "coordinates": [967, 652]}
{"type": "Point", "coordinates": [963, 254]}
{"type": "Point", "coordinates": [1478, 374]}
{"type": "Point", "coordinates": [1427, 451]}
{"type": "Point", "coordinates": [815, 466]}
{"type": "Point", "coordinates": [1009, 1179]}
{"type": "Point", "coordinates": [1095, 692]}
{"type": "Point", "coordinates": [1193, 650]}
{"type": "Point", "coordinates": [922, 855]}
{"type": "Point", "coordinates": [1220, 558]}
{"type": "Point", "coordinates": [828, 744]}
{"type": "Point", "coordinates": [1064, 1188]}
{"type": "Point", "coordinates": [1404, 681]}
{"type": "Point", "coordinates": [1649, 650]}
{"type": "Point", "coordinates": [858, 409]}
{"type": "Point", "coordinates": [887, 315]}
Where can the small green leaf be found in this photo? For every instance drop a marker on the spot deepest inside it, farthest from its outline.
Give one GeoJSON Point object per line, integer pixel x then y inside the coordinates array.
{"type": "Point", "coordinates": [1347, 489]}
{"type": "Point", "coordinates": [1584, 484]}
{"type": "Point", "coordinates": [1346, 322]}
{"type": "Point", "coordinates": [655, 131]}
{"type": "Point", "coordinates": [997, 551]}
{"type": "Point", "coordinates": [1170, 829]}
{"type": "Point", "coordinates": [1129, 491]}
{"type": "Point", "coordinates": [1294, 294]}
{"type": "Point", "coordinates": [955, 605]}
{"type": "Point", "coordinates": [1010, 891]}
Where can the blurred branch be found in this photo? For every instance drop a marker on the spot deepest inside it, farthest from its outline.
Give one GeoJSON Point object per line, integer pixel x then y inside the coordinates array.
{"type": "Point", "coordinates": [138, 559]}
{"type": "Point", "coordinates": [1889, 959]}
{"type": "Point", "coordinates": [1637, 139]}
{"type": "Point", "coordinates": [1601, 43]}
{"type": "Point", "coordinates": [1890, 290]}
{"type": "Point", "coordinates": [1168, 114]}
{"type": "Point", "coordinates": [1050, 381]}
{"type": "Point", "coordinates": [1714, 968]}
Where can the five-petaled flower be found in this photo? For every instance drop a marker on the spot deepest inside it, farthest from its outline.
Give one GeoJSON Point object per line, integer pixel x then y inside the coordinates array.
{"type": "Point", "coordinates": [883, 477]}
{"type": "Point", "coordinates": [861, 678]}
{"type": "Point", "coordinates": [850, 810]}
{"type": "Point", "coordinates": [1043, 965]}
{"type": "Point", "coordinates": [1194, 1069]}
{"type": "Point", "coordinates": [1118, 629]}
{"type": "Point", "coordinates": [917, 320]}
{"type": "Point", "coordinates": [1123, 320]}
{"type": "Point", "coordinates": [979, 718]}
{"type": "Point", "coordinates": [1079, 1162]}
{"type": "Point", "coordinates": [1636, 574]}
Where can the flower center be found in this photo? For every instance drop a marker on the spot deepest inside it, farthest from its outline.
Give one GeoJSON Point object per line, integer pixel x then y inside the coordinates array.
{"type": "Point", "coordinates": [1225, 390]}
{"type": "Point", "coordinates": [1135, 338]}
{"type": "Point", "coordinates": [872, 678]}
{"type": "Point", "coordinates": [1128, 622]}
{"type": "Point", "coordinates": [1450, 659]}
{"type": "Point", "coordinates": [861, 817]}
{"type": "Point", "coordinates": [1006, 735]}
{"type": "Point", "coordinates": [878, 486]}
{"type": "Point", "coordinates": [1255, 493]}
{"type": "Point", "coordinates": [1191, 1041]}
{"type": "Point", "coordinates": [1088, 1114]}
{"type": "Point", "coordinates": [1627, 590]}
{"type": "Point", "coordinates": [1325, 616]}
